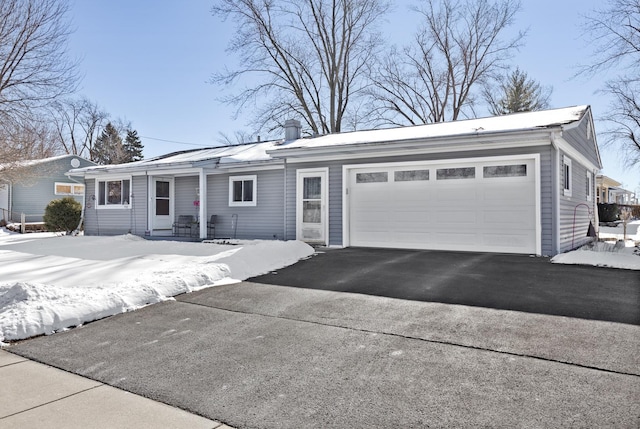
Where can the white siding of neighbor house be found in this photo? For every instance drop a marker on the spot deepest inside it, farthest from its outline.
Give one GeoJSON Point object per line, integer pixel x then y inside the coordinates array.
{"type": "Point", "coordinates": [264, 221]}
{"type": "Point", "coordinates": [336, 188]}
{"type": "Point", "coordinates": [117, 221]}
{"type": "Point", "coordinates": [33, 196]}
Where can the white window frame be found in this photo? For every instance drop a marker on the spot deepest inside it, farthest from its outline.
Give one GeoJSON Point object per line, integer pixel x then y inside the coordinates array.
{"type": "Point", "coordinates": [589, 186]}
{"type": "Point", "coordinates": [73, 189]}
{"type": "Point", "coordinates": [254, 201]}
{"type": "Point", "coordinates": [106, 206]}
{"type": "Point", "coordinates": [567, 176]}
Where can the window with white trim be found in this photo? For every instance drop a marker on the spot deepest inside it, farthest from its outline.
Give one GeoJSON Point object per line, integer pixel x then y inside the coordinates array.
{"type": "Point", "coordinates": [68, 188]}
{"type": "Point", "coordinates": [568, 180]}
{"type": "Point", "coordinates": [113, 193]}
{"type": "Point", "coordinates": [243, 191]}
{"type": "Point", "coordinates": [589, 189]}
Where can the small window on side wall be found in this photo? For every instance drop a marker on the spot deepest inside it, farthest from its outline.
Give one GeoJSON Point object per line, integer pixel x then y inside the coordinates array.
{"type": "Point", "coordinates": [243, 191]}
{"type": "Point", "coordinates": [69, 189]}
{"type": "Point", "coordinates": [589, 189]}
{"type": "Point", "coordinates": [567, 179]}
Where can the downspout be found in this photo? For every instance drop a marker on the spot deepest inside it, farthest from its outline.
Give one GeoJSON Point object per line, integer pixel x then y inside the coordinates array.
{"type": "Point", "coordinates": [555, 194]}
{"type": "Point", "coordinates": [284, 231]}
{"type": "Point", "coordinates": [10, 196]}
{"type": "Point", "coordinates": [77, 230]}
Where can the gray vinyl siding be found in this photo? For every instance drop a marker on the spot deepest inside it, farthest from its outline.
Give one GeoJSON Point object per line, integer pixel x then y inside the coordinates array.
{"type": "Point", "coordinates": [263, 221]}
{"type": "Point", "coordinates": [335, 187]}
{"type": "Point", "coordinates": [117, 221]}
{"type": "Point", "coordinates": [582, 140]}
{"type": "Point", "coordinates": [33, 196]}
{"type": "Point", "coordinates": [573, 234]}
{"type": "Point", "coordinates": [185, 194]}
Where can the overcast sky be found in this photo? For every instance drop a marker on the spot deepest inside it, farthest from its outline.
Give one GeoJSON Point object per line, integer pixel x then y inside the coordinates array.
{"type": "Point", "coordinates": [149, 61]}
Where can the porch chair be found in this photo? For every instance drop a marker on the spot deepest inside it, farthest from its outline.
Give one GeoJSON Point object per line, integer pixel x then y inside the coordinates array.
{"type": "Point", "coordinates": [211, 226]}
{"type": "Point", "coordinates": [184, 223]}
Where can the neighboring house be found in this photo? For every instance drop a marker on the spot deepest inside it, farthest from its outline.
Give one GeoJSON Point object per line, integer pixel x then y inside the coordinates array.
{"type": "Point", "coordinates": [611, 191]}
{"type": "Point", "coordinates": [521, 183]}
{"type": "Point", "coordinates": [39, 182]}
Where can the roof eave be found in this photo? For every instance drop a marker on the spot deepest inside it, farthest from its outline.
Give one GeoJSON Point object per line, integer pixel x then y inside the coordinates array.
{"type": "Point", "coordinates": [440, 142]}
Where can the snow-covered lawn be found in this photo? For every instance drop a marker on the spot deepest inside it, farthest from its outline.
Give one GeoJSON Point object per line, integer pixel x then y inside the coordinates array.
{"type": "Point", "coordinates": [614, 252]}
{"type": "Point", "coordinates": [49, 282]}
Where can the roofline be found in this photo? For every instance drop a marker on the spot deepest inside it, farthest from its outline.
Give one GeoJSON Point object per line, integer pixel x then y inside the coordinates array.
{"type": "Point", "coordinates": [476, 138]}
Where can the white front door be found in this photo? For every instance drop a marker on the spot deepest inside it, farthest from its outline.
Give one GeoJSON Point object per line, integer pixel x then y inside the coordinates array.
{"type": "Point", "coordinates": [311, 207]}
{"type": "Point", "coordinates": [162, 203]}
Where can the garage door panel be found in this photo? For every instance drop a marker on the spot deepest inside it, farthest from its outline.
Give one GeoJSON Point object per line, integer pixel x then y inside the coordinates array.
{"type": "Point", "coordinates": [447, 218]}
{"type": "Point", "coordinates": [455, 193]}
{"type": "Point", "coordinates": [506, 240]}
{"type": "Point", "coordinates": [477, 214]}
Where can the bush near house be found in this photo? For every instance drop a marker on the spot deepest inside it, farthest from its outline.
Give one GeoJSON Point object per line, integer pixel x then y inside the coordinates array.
{"type": "Point", "coordinates": [608, 212]}
{"type": "Point", "coordinates": [62, 215]}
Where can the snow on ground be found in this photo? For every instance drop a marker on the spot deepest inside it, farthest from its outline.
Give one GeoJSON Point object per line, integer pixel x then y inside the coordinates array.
{"type": "Point", "coordinates": [50, 282]}
{"type": "Point", "coordinates": [614, 253]}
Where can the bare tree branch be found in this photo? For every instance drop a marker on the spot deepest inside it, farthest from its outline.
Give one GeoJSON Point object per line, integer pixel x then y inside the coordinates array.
{"type": "Point", "coordinates": [308, 55]}
{"type": "Point", "coordinates": [458, 49]}
{"type": "Point", "coordinates": [77, 123]}
{"type": "Point", "coordinates": [614, 33]}
{"type": "Point", "coordinates": [34, 65]}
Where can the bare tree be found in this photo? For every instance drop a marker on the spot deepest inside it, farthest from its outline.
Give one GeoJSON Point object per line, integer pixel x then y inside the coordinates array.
{"type": "Point", "coordinates": [614, 33]}
{"type": "Point", "coordinates": [516, 92]}
{"type": "Point", "coordinates": [24, 141]}
{"type": "Point", "coordinates": [239, 137]}
{"type": "Point", "coordinates": [78, 122]}
{"type": "Point", "coordinates": [306, 58]}
{"type": "Point", "coordinates": [34, 65]}
{"type": "Point", "coordinates": [458, 49]}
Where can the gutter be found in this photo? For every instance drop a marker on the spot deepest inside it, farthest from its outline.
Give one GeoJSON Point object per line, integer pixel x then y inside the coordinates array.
{"type": "Point", "coordinates": [77, 230]}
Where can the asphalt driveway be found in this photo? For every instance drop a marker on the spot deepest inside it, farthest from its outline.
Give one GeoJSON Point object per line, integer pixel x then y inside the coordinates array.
{"type": "Point", "coordinates": [256, 355]}
{"type": "Point", "coordinates": [499, 281]}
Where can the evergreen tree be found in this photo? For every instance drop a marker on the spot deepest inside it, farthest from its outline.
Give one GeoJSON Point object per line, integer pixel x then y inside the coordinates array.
{"type": "Point", "coordinates": [133, 146]}
{"type": "Point", "coordinates": [517, 93]}
{"type": "Point", "coordinates": [108, 148]}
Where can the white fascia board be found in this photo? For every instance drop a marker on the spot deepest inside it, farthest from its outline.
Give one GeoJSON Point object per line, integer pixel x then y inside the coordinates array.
{"type": "Point", "coordinates": [373, 150]}
{"type": "Point", "coordinates": [152, 172]}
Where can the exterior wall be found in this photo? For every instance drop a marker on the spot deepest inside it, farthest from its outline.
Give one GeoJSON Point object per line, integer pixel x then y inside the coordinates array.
{"type": "Point", "coordinates": [573, 234]}
{"type": "Point", "coordinates": [335, 188]}
{"type": "Point", "coordinates": [582, 139]}
{"type": "Point", "coordinates": [185, 192]}
{"type": "Point", "coordinates": [117, 221]}
{"type": "Point", "coordinates": [263, 221]}
{"type": "Point", "coordinates": [33, 196]}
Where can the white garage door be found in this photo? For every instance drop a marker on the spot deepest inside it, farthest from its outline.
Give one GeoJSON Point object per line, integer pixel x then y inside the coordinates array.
{"type": "Point", "coordinates": [487, 205]}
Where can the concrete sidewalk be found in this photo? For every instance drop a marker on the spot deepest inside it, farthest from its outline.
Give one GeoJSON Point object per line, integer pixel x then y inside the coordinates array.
{"type": "Point", "coordinates": [33, 395]}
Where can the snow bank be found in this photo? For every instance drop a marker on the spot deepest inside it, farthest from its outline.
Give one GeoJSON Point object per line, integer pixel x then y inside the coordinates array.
{"type": "Point", "coordinates": [615, 254]}
{"type": "Point", "coordinates": [52, 283]}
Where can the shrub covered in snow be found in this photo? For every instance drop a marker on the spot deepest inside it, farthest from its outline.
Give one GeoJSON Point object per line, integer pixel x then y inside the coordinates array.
{"type": "Point", "coordinates": [62, 215]}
